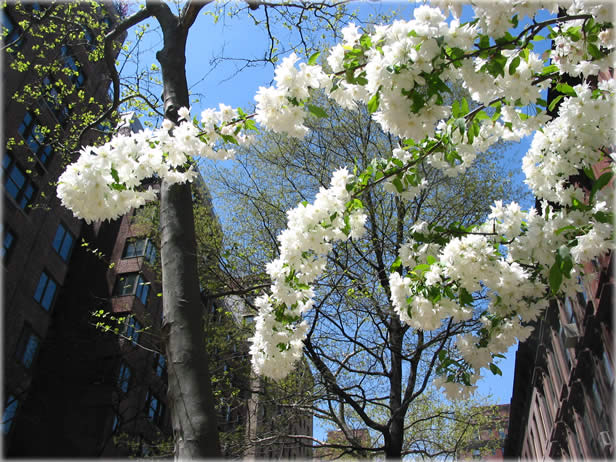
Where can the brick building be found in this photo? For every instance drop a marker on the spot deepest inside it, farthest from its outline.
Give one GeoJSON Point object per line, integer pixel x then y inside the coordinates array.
{"type": "Point", "coordinates": [562, 402]}
{"type": "Point", "coordinates": [563, 390]}
{"type": "Point", "coordinates": [489, 439]}
{"type": "Point", "coordinates": [69, 386]}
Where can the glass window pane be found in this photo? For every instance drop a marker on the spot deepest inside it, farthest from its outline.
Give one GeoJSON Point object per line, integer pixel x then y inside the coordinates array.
{"type": "Point", "coordinates": [129, 251]}
{"type": "Point", "coordinates": [139, 246]}
{"type": "Point", "coordinates": [66, 246]}
{"type": "Point", "coordinates": [9, 413]}
{"type": "Point", "coordinates": [40, 288]}
{"type": "Point", "coordinates": [126, 284]}
{"type": "Point", "coordinates": [30, 351]}
{"type": "Point", "coordinates": [8, 242]}
{"type": "Point", "coordinates": [57, 240]}
{"type": "Point", "coordinates": [49, 293]}
{"type": "Point", "coordinates": [17, 176]}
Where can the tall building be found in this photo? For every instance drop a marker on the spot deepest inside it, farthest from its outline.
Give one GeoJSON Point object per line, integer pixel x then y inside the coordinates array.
{"type": "Point", "coordinates": [488, 441]}
{"type": "Point", "coordinates": [84, 375]}
{"type": "Point", "coordinates": [563, 390]}
{"type": "Point", "coordinates": [258, 418]}
{"type": "Point", "coordinates": [68, 386]}
{"type": "Point", "coordinates": [562, 402]}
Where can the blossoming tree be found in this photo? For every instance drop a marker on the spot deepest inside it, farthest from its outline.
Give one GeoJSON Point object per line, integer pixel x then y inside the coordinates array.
{"type": "Point", "coordinates": [400, 72]}
{"type": "Point", "coordinates": [362, 355]}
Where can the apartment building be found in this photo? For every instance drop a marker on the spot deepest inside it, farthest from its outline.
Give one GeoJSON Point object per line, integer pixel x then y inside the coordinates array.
{"type": "Point", "coordinates": [563, 391]}
{"type": "Point", "coordinates": [84, 374]}
{"type": "Point", "coordinates": [69, 386]}
{"type": "Point", "coordinates": [562, 402]}
{"type": "Point", "coordinates": [488, 441]}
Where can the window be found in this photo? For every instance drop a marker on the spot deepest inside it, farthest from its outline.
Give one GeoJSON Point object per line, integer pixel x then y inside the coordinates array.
{"type": "Point", "coordinates": [45, 291]}
{"type": "Point", "coordinates": [52, 98]}
{"type": "Point", "coordinates": [115, 424]}
{"type": "Point", "coordinates": [133, 329]}
{"type": "Point", "coordinates": [141, 247]}
{"type": "Point", "coordinates": [27, 347]}
{"type": "Point", "coordinates": [16, 183]}
{"type": "Point", "coordinates": [10, 32]}
{"type": "Point", "coordinates": [154, 409]}
{"type": "Point", "coordinates": [124, 377]}
{"type": "Point", "coordinates": [72, 68]}
{"type": "Point", "coordinates": [133, 284]}
{"type": "Point", "coordinates": [90, 40]}
{"type": "Point", "coordinates": [63, 242]}
{"type": "Point", "coordinates": [159, 364]}
{"type": "Point", "coordinates": [34, 135]}
{"type": "Point", "coordinates": [609, 370]}
{"type": "Point", "coordinates": [10, 410]}
{"type": "Point", "coordinates": [8, 239]}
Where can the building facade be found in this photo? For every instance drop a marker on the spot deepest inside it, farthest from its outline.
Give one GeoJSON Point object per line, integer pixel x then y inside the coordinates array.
{"type": "Point", "coordinates": [488, 442]}
{"type": "Point", "coordinates": [258, 418]}
{"type": "Point", "coordinates": [68, 385]}
{"type": "Point", "coordinates": [562, 402]}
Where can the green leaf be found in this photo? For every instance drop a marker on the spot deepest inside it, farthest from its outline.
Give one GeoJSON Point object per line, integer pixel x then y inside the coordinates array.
{"type": "Point", "coordinates": [313, 59]}
{"type": "Point", "coordinates": [421, 267]}
{"type": "Point", "coordinates": [317, 111]}
{"type": "Point", "coordinates": [484, 41]}
{"type": "Point", "coordinates": [464, 106]}
{"type": "Point", "coordinates": [594, 51]}
{"type": "Point", "coordinates": [395, 265]}
{"type": "Point", "coordinates": [566, 89]}
{"type": "Point", "coordinates": [601, 182]}
{"type": "Point", "coordinates": [398, 184]}
{"type": "Point", "coordinates": [515, 62]}
{"type": "Point", "coordinates": [466, 298]}
{"type": "Point", "coordinates": [455, 109]}
{"type": "Point", "coordinates": [555, 102]}
{"type": "Point", "coordinates": [549, 69]}
{"type": "Point", "coordinates": [430, 259]}
{"type": "Point", "coordinates": [604, 217]}
{"type": "Point", "coordinates": [114, 175]}
{"type": "Point", "coordinates": [495, 369]}
{"type": "Point", "coordinates": [229, 139]}
{"type": "Point", "coordinates": [374, 102]}
{"type": "Point", "coordinates": [555, 277]}
{"type": "Point", "coordinates": [564, 228]}
{"type": "Point", "coordinates": [589, 173]}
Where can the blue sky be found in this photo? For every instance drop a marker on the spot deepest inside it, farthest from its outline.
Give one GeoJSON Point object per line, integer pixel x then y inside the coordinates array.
{"type": "Point", "coordinates": [239, 37]}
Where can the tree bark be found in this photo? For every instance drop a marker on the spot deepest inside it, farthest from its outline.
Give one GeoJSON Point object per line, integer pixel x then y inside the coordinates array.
{"type": "Point", "coordinates": [395, 436]}
{"type": "Point", "coordinates": [190, 396]}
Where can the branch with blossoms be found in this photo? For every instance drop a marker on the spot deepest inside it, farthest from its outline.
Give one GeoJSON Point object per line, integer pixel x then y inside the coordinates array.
{"type": "Point", "coordinates": [401, 73]}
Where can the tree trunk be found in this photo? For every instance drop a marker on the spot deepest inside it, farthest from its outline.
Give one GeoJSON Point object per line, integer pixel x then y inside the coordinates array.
{"type": "Point", "coordinates": [395, 435]}
{"type": "Point", "coordinates": [190, 396]}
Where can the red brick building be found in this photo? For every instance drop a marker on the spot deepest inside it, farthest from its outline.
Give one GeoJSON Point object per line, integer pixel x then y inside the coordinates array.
{"type": "Point", "coordinates": [69, 388]}
{"type": "Point", "coordinates": [563, 390]}
{"type": "Point", "coordinates": [488, 441]}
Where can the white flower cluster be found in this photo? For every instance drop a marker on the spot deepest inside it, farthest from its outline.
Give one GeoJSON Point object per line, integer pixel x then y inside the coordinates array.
{"type": "Point", "coordinates": [312, 230]}
{"type": "Point", "coordinates": [105, 182]}
{"type": "Point", "coordinates": [280, 107]}
{"type": "Point", "coordinates": [402, 72]}
{"type": "Point", "coordinates": [570, 143]}
{"type": "Point", "coordinates": [395, 71]}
